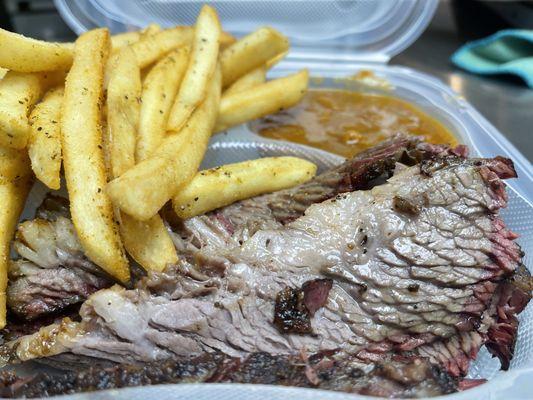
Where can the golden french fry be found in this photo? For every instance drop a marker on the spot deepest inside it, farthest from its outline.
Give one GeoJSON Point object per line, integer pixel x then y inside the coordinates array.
{"type": "Point", "coordinates": [14, 187]}
{"type": "Point", "coordinates": [226, 39]}
{"type": "Point", "coordinates": [44, 146]}
{"type": "Point", "coordinates": [3, 72]}
{"type": "Point", "coordinates": [23, 54]}
{"type": "Point", "coordinates": [276, 59]}
{"type": "Point", "coordinates": [51, 79]}
{"type": "Point", "coordinates": [251, 52]}
{"type": "Point", "coordinates": [18, 93]}
{"type": "Point", "coordinates": [253, 78]}
{"type": "Point", "coordinates": [148, 242]}
{"type": "Point", "coordinates": [202, 63]}
{"type": "Point", "coordinates": [151, 48]}
{"type": "Point", "coordinates": [83, 158]}
{"type": "Point", "coordinates": [159, 91]}
{"type": "Point", "coordinates": [144, 189]}
{"type": "Point", "coordinates": [123, 108]}
{"type": "Point", "coordinates": [151, 29]}
{"type": "Point", "coordinates": [261, 100]}
{"type": "Point", "coordinates": [121, 40]}
{"type": "Point", "coordinates": [218, 187]}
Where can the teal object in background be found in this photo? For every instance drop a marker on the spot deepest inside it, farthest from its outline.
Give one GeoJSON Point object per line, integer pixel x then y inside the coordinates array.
{"type": "Point", "coordinates": [506, 52]}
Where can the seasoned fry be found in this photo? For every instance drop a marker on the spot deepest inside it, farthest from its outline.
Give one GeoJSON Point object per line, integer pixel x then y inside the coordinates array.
{"type": "Point", "coordinates": [123, 108]}
{"type": "Point", "coordinates": [153, 47]}
{"type": "Point", "coordinates": [15, 183]}
{"type": "Point", "coordinates": [22, 54]}
{"type": "Point", "coordinates": [253, 78]}
{"type": "Point", "coordinates": [276, 59]}
{"type": "Point", "coordinates": [121, 40]}
{"type": "Point", "coordinates": [226, 39]}
{"type": "Point", "coordinates": [261, 100]}
{"type": "Point", "coordinates": [143, 190]}
{"type": "Point", "coordinates": [218, 187]}
{"type": "Point", "coordinates": [18, 93]}
{"type": "Point", "coordinates": [159, 91]}
{"type": "Point", "coordinates": [200, 70]}
{"type": "Point", "coordinates": [83, 158]}
{"type": "Point", "coordinates": [44, 147]}
{"type": "Point", "coordinates": [148, 242]}
{"type": "Point", "coordinates": [251, 52]}
{"type": "Point", "coordinates": [151, 29]}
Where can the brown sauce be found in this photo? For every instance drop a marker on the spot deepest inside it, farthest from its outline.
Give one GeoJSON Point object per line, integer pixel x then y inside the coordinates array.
{"type": "Point", "coordinates": [346, 123]}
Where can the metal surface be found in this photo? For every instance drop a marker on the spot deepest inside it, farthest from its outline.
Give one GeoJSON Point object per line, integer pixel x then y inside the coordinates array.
{"type": "Point", "coordinates": [507, 103]}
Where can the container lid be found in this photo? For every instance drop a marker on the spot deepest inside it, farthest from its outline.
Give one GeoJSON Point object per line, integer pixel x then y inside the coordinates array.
{"type": "Point", "coordinates": [343, 30]}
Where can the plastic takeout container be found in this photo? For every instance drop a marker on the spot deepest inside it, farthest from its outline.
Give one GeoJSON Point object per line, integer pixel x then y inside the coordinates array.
{"type": "Point", "coordinates": [335, 39]}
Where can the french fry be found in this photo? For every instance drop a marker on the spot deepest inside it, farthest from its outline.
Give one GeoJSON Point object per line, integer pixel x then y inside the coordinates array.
{"type": "Point", "coordinates": [121, 40]}
{"type": "Point", "coordinates": [123, 108]}
{"type": "Point", "coordinates": [276, 59]}
{"type": "Point", "coordinates": [153, 47]}
{"type": "Point", "coordinates": [151, 29]}
{"type": "Point", "coordinates": [202, 63]}
{"type": "Point", "coordinates": [44, 147]}
{"type": "Point", "coordinates": [144, 189]}
{"type": "Point", "coordinates": [253, 78]}
{"type": "Point", "coordinates": [18, 93]}
{"type": "Point", "coordinates": [124, 39]}
{"type": "Point", "coordinates": [251, 52]}
{"type": "Point", "coordinates": [159, 91]}
{"type": "Point", "coordinates": [3, 72]}
{"type": "Point", "coordinates": [148, 242]}
{"type": "Point", "coordinates": [23, 54]}
{"type": "Point", "coordinates": [15, 183]}
{"type": "Point", "coordinates": [226, 39]}
{"type": "Point", "coordinates": [83, 158]}
{"type": "Point", "coordinates": [261, 100]}
{"type": "Point", "coordinates": [218, 187]}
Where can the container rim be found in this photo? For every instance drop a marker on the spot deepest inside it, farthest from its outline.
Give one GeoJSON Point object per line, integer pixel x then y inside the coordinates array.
{"type": "Point", "coordinates": [403, 22]}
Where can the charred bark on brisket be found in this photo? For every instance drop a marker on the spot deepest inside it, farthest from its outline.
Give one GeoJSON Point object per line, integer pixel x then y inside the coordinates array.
{"type": "Point", "coordinates": [407, 378]}
{"type": "Point", "coordinates": [295, 307]}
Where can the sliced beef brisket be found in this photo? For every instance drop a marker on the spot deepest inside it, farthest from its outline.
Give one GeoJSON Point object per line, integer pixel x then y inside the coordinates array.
{"type": "Point", "coordinates": [419, 269]}
{"type": "Point", "coordinates": [53, 272]}
{"type": "Point", "coordinates": [430, 283]}
{"type": "Point", "coordinates": [238, 222]}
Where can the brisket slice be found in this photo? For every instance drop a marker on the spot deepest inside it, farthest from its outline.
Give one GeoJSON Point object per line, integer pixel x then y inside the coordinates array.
{"type": "Point", "coordinates": [420, 266]}
{"type": "Point", "coordinates": [413, 377]}
{"type": "Point", "coordinates": [512, 297]}
{"type": "Point", "coordinates": [53, 272]}
{"type": "Point", "coordinates": [497, 330]}
{"type": "Point", "coordinates": [404, 283]}
{"type": "Point", "coordinates": [236, 223]}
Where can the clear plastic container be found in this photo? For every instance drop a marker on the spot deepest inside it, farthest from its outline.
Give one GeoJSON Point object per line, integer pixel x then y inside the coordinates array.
{"type": "Point", "coordinates": [335, 39]}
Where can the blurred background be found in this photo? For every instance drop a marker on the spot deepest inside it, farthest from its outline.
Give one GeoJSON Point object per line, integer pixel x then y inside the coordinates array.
{"type": "Point", "coordinates": [504, 100]}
